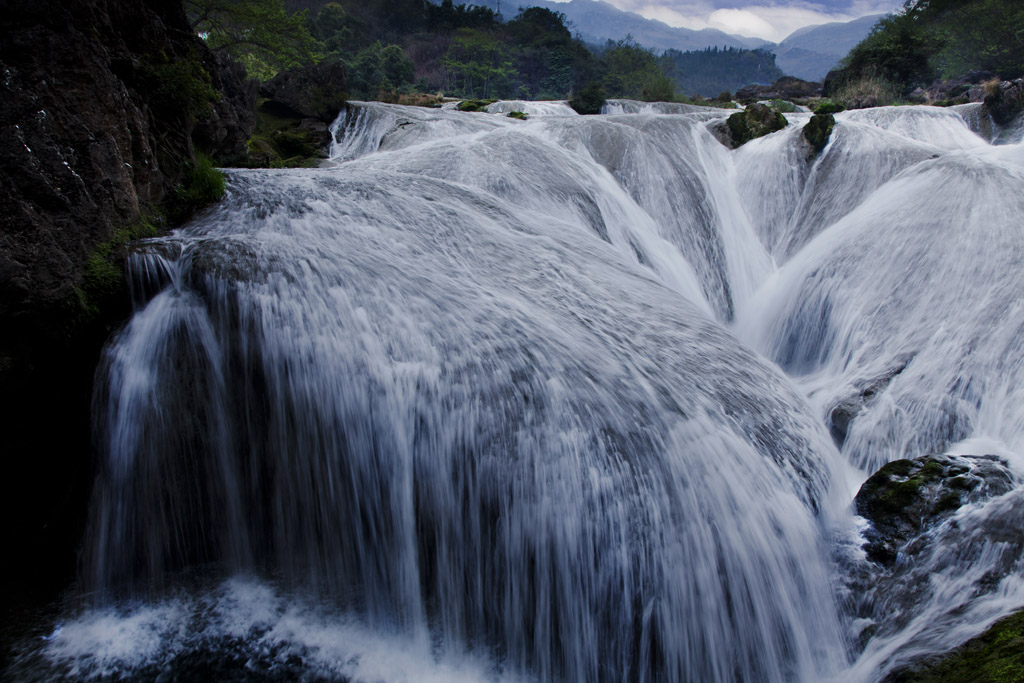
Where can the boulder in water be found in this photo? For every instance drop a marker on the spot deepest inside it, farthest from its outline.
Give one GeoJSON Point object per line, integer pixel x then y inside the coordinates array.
{"type": "Point", "coordinates": [755, 121]}
{"type": "Point", "coordinates": [818, 130]}
{"type": "Point", "coordinates": [906, 497]}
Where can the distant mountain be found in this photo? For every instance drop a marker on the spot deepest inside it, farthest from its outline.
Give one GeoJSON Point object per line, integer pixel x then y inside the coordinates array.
{"type": "Point", "coordinates": [812, 51]}
{"type": "Point", "coordinates": [597, 22]}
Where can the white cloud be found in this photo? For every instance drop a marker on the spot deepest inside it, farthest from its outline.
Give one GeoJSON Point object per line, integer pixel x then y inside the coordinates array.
{"type": "Point", "coordinates": [744, 22]}
{"type": "Point", "coordinates": [771, 22]}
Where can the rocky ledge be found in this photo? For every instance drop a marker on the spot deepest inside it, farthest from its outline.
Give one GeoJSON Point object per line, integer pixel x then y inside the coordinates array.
{"type": "Point", "coordinates": [103, 104]}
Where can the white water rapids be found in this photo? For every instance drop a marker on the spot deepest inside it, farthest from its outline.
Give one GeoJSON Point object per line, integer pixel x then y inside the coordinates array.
{"type": "Point", "coordinates": [491, 399]}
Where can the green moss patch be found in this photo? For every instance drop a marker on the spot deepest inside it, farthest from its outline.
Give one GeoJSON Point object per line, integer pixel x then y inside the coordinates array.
{"type": "Point", "coordinates": [818, 130]}
{"type": "Point", "coordinates": [996, 656]}
{"type": "Point", "coordinates": [474, 105]}
{"type": "Point", "coordinates": [281, 141]}
{"type": "Point", "coordinates": [755, 121]}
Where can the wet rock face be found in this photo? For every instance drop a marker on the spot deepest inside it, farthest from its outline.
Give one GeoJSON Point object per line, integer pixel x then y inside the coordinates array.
{"type": "Point", "coordinates": [786, 88]}
{"type": "Point", "coordinates": [906, 497]}
{"type": "Point", "coordinates": [316, 91]}
{"type": "Point", "coordinates": [99, 100]}
{"type": "Point", "coordinates": [926, 533]}
{"type": "Point", "coordinates": [1005, 101]}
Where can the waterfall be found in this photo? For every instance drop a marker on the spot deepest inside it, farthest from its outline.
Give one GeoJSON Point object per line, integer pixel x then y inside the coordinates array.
{"type": "Point", "coordinates": [492, 399]}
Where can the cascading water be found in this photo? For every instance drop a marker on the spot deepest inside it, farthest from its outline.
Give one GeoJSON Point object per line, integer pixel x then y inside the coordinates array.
{"type": "Point", "coordinates": [475, 402]}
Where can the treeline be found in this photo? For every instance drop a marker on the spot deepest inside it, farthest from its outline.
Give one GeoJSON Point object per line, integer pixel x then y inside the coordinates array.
{"type": "Point", "coordinates": [470, 51]}
{"type": "Point", "coordinates": [393, 47]}
{"type": "Point", "coordinates": [930, 39]}
{"type": "Point", "coordinates": [712, 70]}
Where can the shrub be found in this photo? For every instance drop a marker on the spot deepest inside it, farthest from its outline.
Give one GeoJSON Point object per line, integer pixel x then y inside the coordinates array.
{"type": "Point", "coordinates": [590, 101]}
{"type": "Point", "coordinates": [829, 107]}
{"type": "Point", "coordinates": [871, 91]}
{"type": "Point", "coordinates": [203, 185]}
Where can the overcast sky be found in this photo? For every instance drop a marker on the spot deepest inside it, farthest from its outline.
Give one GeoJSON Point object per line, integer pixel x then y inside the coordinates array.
{"type": "Point", "coordinates": [757, 18]}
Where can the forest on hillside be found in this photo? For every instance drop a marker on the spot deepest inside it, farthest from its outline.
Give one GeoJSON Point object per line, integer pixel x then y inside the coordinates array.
{"type": "Point", "coordinates": [709, 71]}
{"type": "Point", "coordinates": [938, 39]}
{"type": "Point", "coordinates": [394, 47]}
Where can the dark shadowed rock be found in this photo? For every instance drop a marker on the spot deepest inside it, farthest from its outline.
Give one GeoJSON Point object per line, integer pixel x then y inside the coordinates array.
{"type": "Point", "coordinates": [98, 103]}
{"type": "Point", "coordinates": [317, 91]}
{"type": "Point", "coordinates": [906, 497]}
{"type": "Point", "coordinates": [786, 88]}
{"type": "Point", "coordinates": [1004, 101]}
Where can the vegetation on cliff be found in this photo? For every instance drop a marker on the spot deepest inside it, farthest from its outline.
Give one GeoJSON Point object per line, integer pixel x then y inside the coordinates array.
{"type": "Point", "coordinates": [931, 39]}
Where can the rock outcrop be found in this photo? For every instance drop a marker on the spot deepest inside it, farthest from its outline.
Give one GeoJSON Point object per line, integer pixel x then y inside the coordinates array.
{"type": "Point", "coordinates": [755, 121]}
{"type": "Point", "coordinates": [99, 102]}
{"type": "Point", "coordinates": [907, 497]}
{"type": "Point", "coordinates": [786, 88]}
{"type": "Point", "coordinates": [292, 122]}
{"type": "Point", "coordinates": [1004, 100]}
{"type": "Point", "coordinates": [931, 521]}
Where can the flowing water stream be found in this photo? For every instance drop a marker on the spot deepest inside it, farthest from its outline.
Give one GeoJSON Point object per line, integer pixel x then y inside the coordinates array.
{"type": "Point", "coordinates": [491, 399]}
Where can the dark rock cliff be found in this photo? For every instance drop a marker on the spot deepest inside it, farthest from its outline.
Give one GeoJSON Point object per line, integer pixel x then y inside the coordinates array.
{"type": "Point", "coordinates": [102, 104]}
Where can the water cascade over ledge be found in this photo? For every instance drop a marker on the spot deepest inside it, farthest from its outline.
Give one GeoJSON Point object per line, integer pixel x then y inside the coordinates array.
{"type": "Point", "coordinates": [555, 399]}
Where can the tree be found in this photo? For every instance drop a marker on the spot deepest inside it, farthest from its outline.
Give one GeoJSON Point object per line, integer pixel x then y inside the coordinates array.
{"type": "Point", "coordinates": [634, 72]}
{"type": "Point", "coordinates": [258, 33]}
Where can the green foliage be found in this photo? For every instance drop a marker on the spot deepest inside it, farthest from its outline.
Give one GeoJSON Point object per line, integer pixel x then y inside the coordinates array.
{"type": "Point", "coordinates": [711, 70]}
{"type": "Point", "coordinates": [590, 100]}
{"type": "Point", "coordinates": [474, 105]}
{"type": "Point", "coordinates": [203, 185]}
{"type": "Point", "coordinates": [818, 130]}
{"type": "Point", "coordinates": [258, 33]}
{"type": "Point", "coordinates": [996, 656]}
{"type": "Point", "coordinates": [939, 38]}
{"type": "Point", "coordinates": [478, 64]}
{"type": "Point", "coordinates": [280, 142]}
{"type": "Point", "coordinates": [634, 72]}
{"type": "Point", "coordinates": [378, 68]}
{"type": "Point", "coordinates": [104, 270]}
{"type": "Point", "coordinates": [181, 85]}
{"type": "Point", "coordinates": [829, 107]}
{"type": "Point", "coordinates": [755, 121]}
{"type": "Point", "coordinates": [522, 116]}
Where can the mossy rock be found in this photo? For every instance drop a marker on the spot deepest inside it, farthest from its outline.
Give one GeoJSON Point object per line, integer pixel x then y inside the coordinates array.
{"type": "Point", "coordinates": [996, 656]}
{"type": "Point", "coordinates": [474, 105]}
{"type": "Point", "coordinates": [906, 497]}
{"type": "Point", "coordinates": [755, 121]}
{"type": "Point", "coordinates": [818, 130]}
{"type": "Point", "coordinates": [829, 107]}
{"type": "Point", "coordinates": [783, 106]}
{"type": "Point", "coordinates": [282, 140]}
{"type": "Point", "coordinates": [522, 116]}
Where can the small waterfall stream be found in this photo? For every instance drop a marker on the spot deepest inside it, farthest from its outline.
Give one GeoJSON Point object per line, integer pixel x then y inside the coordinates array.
{"type": "Point", "coordinates": [491, 399]}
